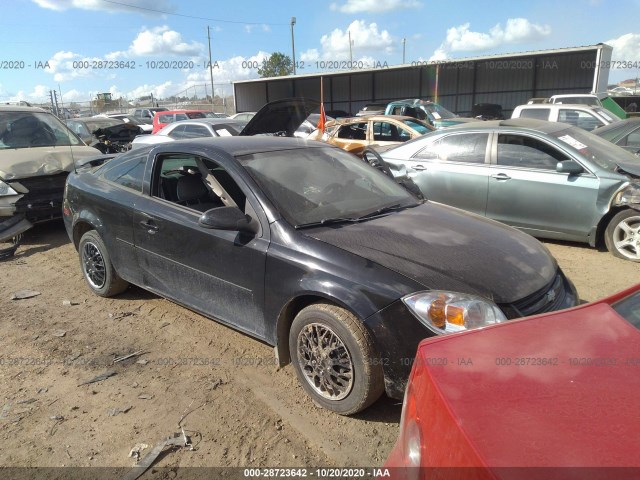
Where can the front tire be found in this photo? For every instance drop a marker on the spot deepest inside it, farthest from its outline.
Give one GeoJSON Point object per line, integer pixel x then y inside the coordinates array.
{"type": "Point", "coordinates": [97, 268]}
{"type": "Point", "coordinates": [335, 359]}
{"type": "Point", "coordinates": [622, 236]}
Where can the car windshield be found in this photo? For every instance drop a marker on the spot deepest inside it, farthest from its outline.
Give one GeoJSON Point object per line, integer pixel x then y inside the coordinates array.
{"type": "Point", "coordinates": [601, 152]}
{"type": "Point", "coordinates": [606, 114]}
{"type": "Point", "coordinates": [93, 125]}
{"type": "Point", "coordinates": [629, 308]}
{"type": "Point", "coordinates": [437, 111]}
{"type": "Point", "coordinates": [33, 129]}
{"type": "Point", "coordinates": [418, 127]}
{"type": "Point", "coordinates": [309, 185]}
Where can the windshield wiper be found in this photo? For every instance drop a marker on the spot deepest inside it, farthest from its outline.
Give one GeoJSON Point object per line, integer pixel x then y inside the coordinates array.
{"type": "Point", "coordinates": [366, 216]}
{"type": "Point", "coordinates": [327, 221]}
{"type": "Point", "coordinates": [383, 210]}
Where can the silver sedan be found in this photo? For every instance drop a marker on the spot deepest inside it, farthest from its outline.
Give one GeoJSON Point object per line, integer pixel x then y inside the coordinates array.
{"type": "Point", "coordinates": [196, 128]}
{"type": "Point", "coordinates": [550, 180]}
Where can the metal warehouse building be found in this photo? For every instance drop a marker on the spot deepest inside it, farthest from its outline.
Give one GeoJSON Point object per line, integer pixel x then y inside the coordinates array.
{"type": "Point", "coordinates": [508, 80]}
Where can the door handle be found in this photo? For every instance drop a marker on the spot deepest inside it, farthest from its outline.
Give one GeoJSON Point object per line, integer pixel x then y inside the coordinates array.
{"type": "Point", "coordinates": [419, 168]}
{"type": "Point", "coordinates": [150, 225]}
{"type": "Point", "coordinates": [501, 176]}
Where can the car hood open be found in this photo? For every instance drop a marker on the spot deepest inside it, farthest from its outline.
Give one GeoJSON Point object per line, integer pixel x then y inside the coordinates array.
{"type": "Point", "coordinates": [445, 248]}
{"type": "Point", "coordinates": [280, 117]}
{"type": "Point", "coordinates": [630, 167]}
{"type": "Point", "coordinates": [122, 133]}
{"type": "Point", "coordinates": [39, 161]}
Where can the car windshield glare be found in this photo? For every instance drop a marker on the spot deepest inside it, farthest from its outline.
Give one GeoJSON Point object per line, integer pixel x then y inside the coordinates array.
{"type": "Point", "coordinates": [601, 152]}
{"type": "Point", "coordinates": [33, 129]}
{"type": "Point", "coordinates": [309, 185]}
{"type": "Point", "coordinates": [418, 127]}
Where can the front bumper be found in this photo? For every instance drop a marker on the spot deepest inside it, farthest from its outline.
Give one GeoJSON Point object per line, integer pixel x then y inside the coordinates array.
{"type": "Point", "coordinates": [39, 199]}
{"type": "Point", "coordinates": [397, 332]}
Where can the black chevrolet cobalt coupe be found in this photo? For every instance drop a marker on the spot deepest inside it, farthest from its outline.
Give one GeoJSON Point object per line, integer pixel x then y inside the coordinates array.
{"type": "Point", "coordinates": [308, 248]}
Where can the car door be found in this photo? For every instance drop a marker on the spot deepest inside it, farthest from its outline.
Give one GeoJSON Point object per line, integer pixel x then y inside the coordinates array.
{"type": "Point", "coordinates": [388, 133]}
{"type": "Point", "coordinates": [526, 191]}
{"type": "Point", "coordinates": [454, 170]}
{"type": "Point", "coordinates": [351, 137]}
{"type": "Point", "coordinates": [219, 273]}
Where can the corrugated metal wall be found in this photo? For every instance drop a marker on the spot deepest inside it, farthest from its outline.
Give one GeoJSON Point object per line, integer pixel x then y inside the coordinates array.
{"type": "Point", "coordinates": [506, 80]}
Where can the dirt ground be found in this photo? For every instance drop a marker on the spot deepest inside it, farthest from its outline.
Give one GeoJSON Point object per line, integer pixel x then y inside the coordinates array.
{"type": "Point", "coordinates": [240, 409]}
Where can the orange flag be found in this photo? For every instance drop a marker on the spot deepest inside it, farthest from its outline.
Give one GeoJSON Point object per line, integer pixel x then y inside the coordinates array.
{"type": "Point", "coordinates": [323, 116]}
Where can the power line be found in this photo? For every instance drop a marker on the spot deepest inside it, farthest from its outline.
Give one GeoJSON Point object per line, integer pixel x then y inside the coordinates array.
{"type": "Point", "coordinates": [190, 16]}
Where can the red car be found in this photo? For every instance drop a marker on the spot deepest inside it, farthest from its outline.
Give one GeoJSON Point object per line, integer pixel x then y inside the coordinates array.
{"type": "Point", "coordinates": [559, 392]}
{"type": "Point", "coordinates": [160, 119]}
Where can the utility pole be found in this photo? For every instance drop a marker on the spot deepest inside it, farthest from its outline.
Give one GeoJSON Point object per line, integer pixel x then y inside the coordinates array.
{"type": "Point", "coordinates": [404, 41]}
{"type": "Point", "coordinates": [210, 68]}
{"type": "Point", "coordinates": [293, 45]}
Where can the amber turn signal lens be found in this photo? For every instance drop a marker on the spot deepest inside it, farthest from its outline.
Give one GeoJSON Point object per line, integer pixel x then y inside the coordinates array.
{"type": "Point", "coordinates": [437, 312]}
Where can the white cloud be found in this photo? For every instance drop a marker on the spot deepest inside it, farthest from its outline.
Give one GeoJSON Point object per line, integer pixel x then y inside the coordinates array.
{"type": "Point", "coordinates": [365, 38]}
{"type": "Point", "coordinates": [61, 5]}
{"type": "Point", "coordinates": [40, 93]}
{"type": "Point", "coordinates": [515, 31]}
{"type": "Point", "coordinates": [158, 41]}
{"type": "Point", "coordinates": [625, 48]}
{"type": "Point", "coordinates": [374, 6]}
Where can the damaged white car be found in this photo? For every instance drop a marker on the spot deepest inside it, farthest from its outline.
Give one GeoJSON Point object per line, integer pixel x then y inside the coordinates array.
{"type": "Point", "coordinates": [37, 152]}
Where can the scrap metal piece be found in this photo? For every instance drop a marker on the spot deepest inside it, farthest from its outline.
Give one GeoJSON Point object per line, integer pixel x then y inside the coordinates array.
{"type": "Point", "coordinates": [23, 294]}
{"type": "Point", "coordinates": [99, 378]}
{"type": "Point", "coordinates": [175, 440]}
{"type": "Point", "coordinates": [11, 231]}
{"type": "Point", "coordinates": [125, 357]}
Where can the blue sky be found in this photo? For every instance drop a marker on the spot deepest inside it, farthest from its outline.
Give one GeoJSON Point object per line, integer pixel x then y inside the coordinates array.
{"type": "Point", "coordinates": [69, 34]}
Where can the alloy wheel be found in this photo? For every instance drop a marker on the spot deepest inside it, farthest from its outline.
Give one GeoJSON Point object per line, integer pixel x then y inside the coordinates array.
{"type": "Point", "coordinates": [325, 361]}
{"type": "Point", "coordinates": [93, 265]}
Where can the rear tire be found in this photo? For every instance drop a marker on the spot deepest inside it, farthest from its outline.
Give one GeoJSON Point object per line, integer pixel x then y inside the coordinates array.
{"type": "Point", "coordinates": [97, 268]}
{"type": "Point", "coordinates": [622, 236]}
{"type": "Point", "coordinates": [335, 359]}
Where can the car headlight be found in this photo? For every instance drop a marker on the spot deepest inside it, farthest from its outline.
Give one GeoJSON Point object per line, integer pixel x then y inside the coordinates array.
{"type": "Point", "coordinates": [6, 189]}
{"type": "Point", "coordinates": [628, 196]}
{"type": "Point", "coordinates": [448, 312]}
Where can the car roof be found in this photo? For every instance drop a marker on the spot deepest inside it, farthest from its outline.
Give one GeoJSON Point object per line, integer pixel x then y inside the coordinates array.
{"type": "Point", "coordinates": [21, 108]}
{"type": "Point", "coordinates": [211, 121]}
{"type": "Point", "coordinates": [164, 112]}
{"type": "Point", "coordinates": [524, 123]}
{"type": "Point", "coordinates": [237, 146]}
{"type": "Point", "coordinates": [558, 105]}
{"type": "Point", "coordinates": [375, 118]}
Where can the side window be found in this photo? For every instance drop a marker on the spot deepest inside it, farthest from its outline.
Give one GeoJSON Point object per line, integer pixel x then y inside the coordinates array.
{"type": "Point", "coordinates": [527, 152]}
{"type": "Point", "coordinates": [464, 148]}
{"type": "Point", "coordinates": [179, 179]}
{"type": "Point", "coordinates": [177, 132]}
{"type": "Point", "coordinates": [385, 132]}
{"type": "Point", "coordinates": [579, 119]}
{"type": "Point", "coordinates": [195, 131]}
{"type": "Point", "coordinates": [165, 118]}
{"type": "Point", "coordinates": [537, 113]}
{"type": "Point", "coordinates": [631, 140]}
{"type": "Point", "coordinates": [180, 116]}
{"type": "Point", "coordinates": [353, 131]}
{"type": "Point", "coordinates": [128, 174]}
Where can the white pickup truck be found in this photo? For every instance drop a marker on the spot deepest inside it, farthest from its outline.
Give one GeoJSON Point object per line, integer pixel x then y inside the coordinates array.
{"type": "Point", "coordinates": [586, 117]}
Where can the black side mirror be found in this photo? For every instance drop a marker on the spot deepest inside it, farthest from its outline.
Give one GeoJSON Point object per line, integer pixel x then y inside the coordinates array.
{"type": "Point", "coordinates": [226, 218]}
{"type": "Point", "coordinates": [569, 166]}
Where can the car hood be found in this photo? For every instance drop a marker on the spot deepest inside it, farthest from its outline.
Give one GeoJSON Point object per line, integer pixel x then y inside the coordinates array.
{"type": "Point", "coordinates": [124, 133]}
{"type": "Point", "coordinates": [446, 248]}
{"type": "Point", "coordinates": [454, 121]}
{"type": "Point", "coordinates": [630, 167]}
{"type": "Point", "coordinates": [40, 161]}
{"type": "Point", "coordinates": [284, 115]}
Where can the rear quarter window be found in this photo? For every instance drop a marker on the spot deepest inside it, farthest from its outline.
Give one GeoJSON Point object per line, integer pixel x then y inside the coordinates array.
{"type": "Point", "coordinates": [536, 113]}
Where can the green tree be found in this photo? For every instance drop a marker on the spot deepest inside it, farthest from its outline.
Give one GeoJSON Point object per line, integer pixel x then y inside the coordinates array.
{"type": "Point", "coordinates": [277, 65]}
